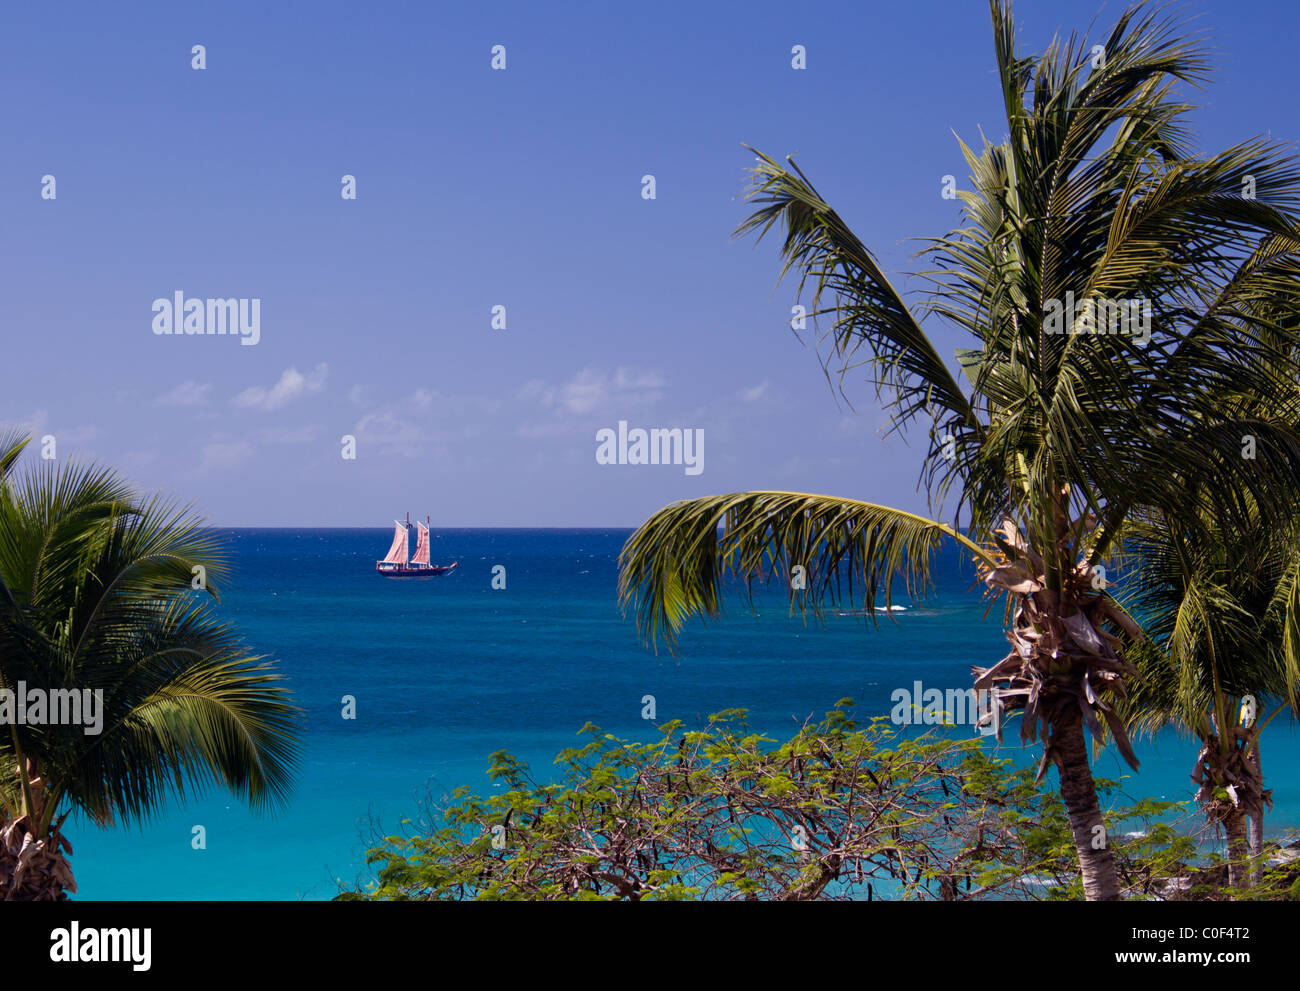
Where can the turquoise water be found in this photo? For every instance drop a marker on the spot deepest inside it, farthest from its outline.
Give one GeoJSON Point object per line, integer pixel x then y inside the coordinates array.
{"type": "Point", "coordinates": [447, 670]}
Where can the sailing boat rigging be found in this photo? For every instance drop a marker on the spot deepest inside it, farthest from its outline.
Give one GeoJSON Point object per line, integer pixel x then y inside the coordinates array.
{"type": "Point", "coordinates": [397, 564]}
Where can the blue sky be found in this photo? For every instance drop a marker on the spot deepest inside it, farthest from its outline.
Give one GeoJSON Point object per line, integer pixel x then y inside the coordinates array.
{"type": "Point", "coordinates": [478, 188]}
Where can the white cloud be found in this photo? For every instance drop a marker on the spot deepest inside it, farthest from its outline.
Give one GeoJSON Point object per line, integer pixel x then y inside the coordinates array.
{"type": "Point", "coordinates": [220, 456]}
{"type": "Point", "coordinates": [186, 394]}
{"type": "Point", "coordinates": [535, 390]}
{"type": "Point", "coordinates": [292, 385]}
{"type": "Point", "coordinates": [627, 378]}
{"type": "Point", "coordinates": [861, 424]}
{"type": "Point", "coordinates": [388, 434]}
{"type": "Point", "coordinates": [34, 422]}
{"type": "Point", "coordinates": [754, 394]}
{"type": "Point", "coordinates": [585, 392]}
{"type": "Point", "coordinates": [595, 391]}
{"type": "Point", "coordinates": [37, 425]}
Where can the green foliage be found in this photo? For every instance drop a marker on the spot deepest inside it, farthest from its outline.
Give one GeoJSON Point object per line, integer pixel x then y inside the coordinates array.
{"type": "Point", "coordinates": [98, 593]}
{"type": "Point", "coordinates": [719, 814]}
{"type": "Point", "coordinates": [675, 565]}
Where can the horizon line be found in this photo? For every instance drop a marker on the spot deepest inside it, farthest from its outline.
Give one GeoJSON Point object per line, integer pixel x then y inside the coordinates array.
{"type": "Point", "coordinates": [371, 526]}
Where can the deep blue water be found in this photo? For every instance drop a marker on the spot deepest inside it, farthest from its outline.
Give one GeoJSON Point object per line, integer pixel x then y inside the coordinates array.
{"type": "Point", "coordinates": [445, 671]}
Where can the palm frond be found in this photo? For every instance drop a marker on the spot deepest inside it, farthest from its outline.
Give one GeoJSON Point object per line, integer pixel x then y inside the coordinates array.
{"type": "Point", "coordinates": [676, 564]}
{"type": "Point", "coordinates": [101, 596]}
{"type": "Point", "coordinates": [12, 443]}
{"type": "Point", "coordinates": [869, 314]}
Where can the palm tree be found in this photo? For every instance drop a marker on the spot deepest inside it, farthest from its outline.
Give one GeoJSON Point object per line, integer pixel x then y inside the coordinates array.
{"type": "Point", "coordinates": [1054, 437]}
{"type": "Point", "coordinates": [101, 592]}
{"type": "Point", "coordinates": [1219, 607]}
{"type": "Point", "coordinates": [1221, 604]}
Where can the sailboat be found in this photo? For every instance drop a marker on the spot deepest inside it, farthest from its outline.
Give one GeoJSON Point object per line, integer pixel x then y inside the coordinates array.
{"type": "Point", "coordinates": [396, 564]}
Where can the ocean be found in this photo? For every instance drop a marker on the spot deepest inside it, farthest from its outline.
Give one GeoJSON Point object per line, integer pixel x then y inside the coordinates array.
{"type": "Point", "coordinates": [447, 670]}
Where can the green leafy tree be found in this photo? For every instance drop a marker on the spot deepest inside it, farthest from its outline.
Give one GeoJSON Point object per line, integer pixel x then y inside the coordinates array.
{"type": "Point", "coordinates": [98, 593]}
{"type": "Point", "coordinates": [837, 812]}
{"type": "Point", "coordinates": [1062, 426]}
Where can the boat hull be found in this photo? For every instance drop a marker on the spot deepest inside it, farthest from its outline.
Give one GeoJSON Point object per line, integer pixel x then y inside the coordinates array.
{"type": "Point", "coordinates": [408, 571]}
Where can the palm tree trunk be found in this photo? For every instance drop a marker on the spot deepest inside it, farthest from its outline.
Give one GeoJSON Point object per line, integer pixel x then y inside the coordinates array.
{"type": "Point", "coordinates": [32, 869]}
{"type": "Point", "coordinates": [32, 864]}
{"type": "Point", "coordinates": [1256, 820]}
{"type": "Point", "coordinates": [1096, 863]}
{"type": "Point", "coordinates": [1238, 851]}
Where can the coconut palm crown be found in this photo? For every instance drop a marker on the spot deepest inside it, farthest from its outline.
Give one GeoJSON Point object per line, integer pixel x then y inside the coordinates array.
{"type": "Point", "coordinates": [104, 592]}
{"type": "Point", "coordinates": [1219, 608]}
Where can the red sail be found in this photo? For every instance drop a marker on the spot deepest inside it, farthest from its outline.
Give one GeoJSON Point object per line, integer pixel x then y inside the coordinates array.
{"type": "Point", "coordinates": [397, 553]}
{"type": "Point", "coordinates": [421, 544]}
